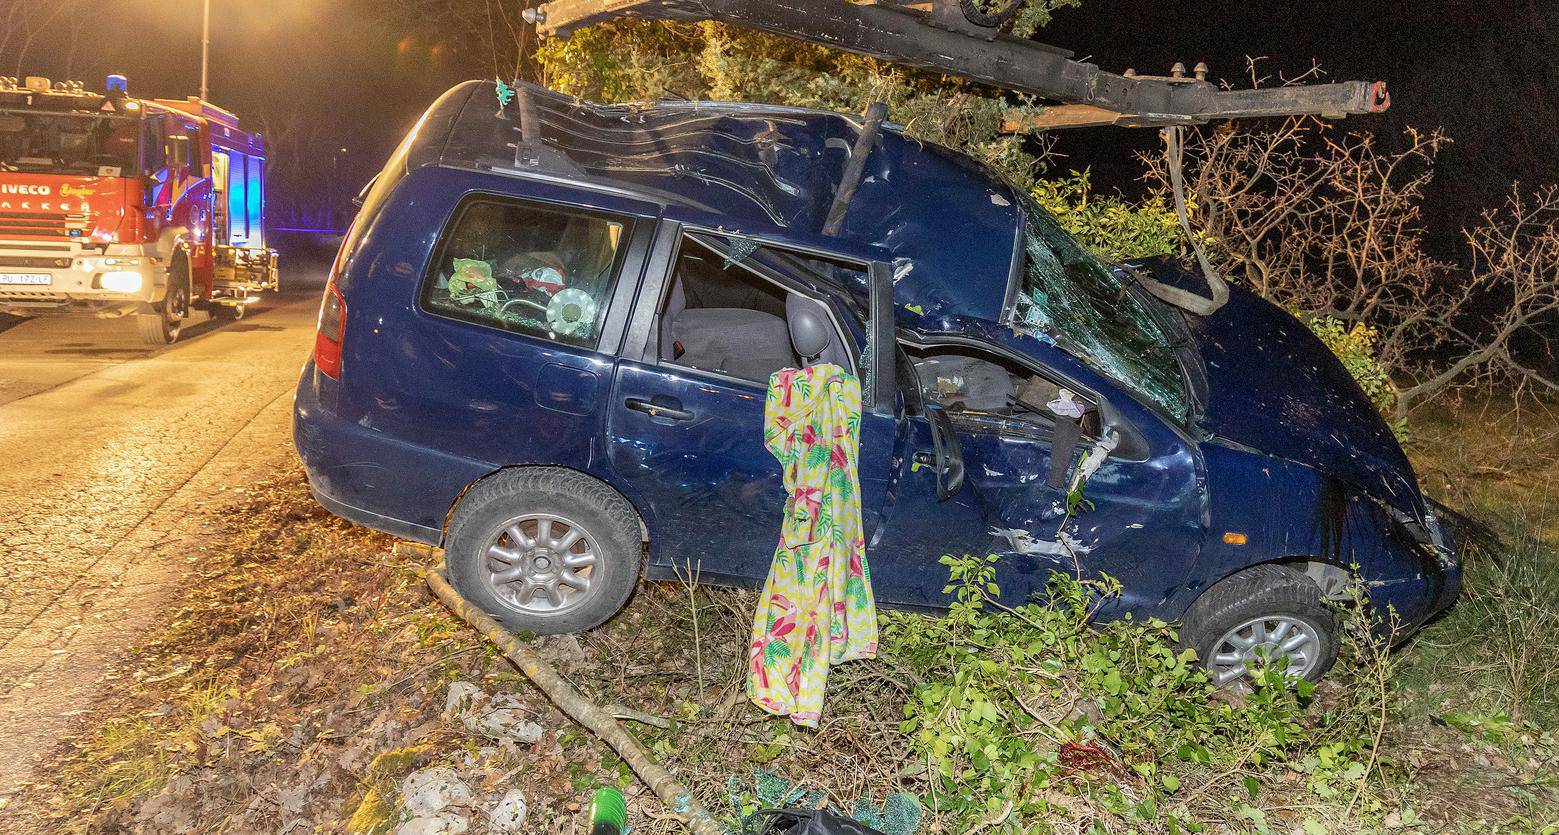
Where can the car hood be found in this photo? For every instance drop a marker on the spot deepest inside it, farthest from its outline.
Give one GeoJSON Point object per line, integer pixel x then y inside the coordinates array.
{"type": "Point", "coordinates": [1272, 385]}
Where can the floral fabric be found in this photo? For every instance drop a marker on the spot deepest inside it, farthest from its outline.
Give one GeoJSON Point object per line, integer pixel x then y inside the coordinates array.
{"type": "Point", "coordinates": [817, 608]}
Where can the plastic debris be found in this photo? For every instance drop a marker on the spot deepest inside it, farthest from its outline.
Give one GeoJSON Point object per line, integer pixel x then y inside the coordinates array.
{"type": "Point", "coordinates": [1095, 459]}
{"type": "Point", "coordinates": [608, 812]}
{"type": "Point", "coordinates": [900, 813]}
{"type": "Point", "coordinates": [427, 796]}
{"type": "Point", "coordinates": [499, 716]}
{"type": "Point", "coordinates": [545, 279]}
{"type": "Point", "coordinates": [473, 283]}
{"type": "Point", "coordinates": [508, 814]}
{"type": "Point", "coordinates": [571, 312]}
{"type": "Point", "coordinates": [1065, 406]}
{"type": "Point", "coordinates": [505, 92]}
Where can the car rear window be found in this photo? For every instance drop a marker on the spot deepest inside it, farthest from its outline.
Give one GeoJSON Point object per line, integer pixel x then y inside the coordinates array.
{"type": "Point", "coordinates": [540, 270]}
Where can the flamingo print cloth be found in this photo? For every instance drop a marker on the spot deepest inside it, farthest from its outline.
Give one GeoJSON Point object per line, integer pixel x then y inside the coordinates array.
{"type": "Point", "coordinates": [817, 608]}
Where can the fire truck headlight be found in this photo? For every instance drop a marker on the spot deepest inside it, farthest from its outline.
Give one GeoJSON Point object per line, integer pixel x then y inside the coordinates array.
{"type": "Point", "coordinates": [120, 281]}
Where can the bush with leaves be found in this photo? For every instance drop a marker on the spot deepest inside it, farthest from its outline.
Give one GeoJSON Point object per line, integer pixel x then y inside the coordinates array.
{"type": "Point", "coordinates": [1108, 225]}
{"type": "Point", "coordinates": [1020, 709]}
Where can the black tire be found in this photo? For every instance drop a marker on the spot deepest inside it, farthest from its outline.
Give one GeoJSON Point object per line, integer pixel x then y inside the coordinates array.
{"type": "Point", "coordinates": [228, 312]}
{"type": "Point", "coordinates": [608, 524]}
{"type": "Point", "coordinates": [162, 326]}
{"type": "Point", "coordinates": [1263, 591]}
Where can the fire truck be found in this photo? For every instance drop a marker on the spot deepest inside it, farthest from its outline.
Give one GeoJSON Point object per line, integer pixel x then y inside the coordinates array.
{"type": "Point", "coordinates": [114, 206]}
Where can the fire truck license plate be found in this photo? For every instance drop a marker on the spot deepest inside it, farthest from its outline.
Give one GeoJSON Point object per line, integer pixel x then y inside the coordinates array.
{"type": "Point", "coordinates": [25, 278]}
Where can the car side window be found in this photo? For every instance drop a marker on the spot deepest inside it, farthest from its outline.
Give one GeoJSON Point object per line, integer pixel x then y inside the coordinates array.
{"type": "Point", "coordinates": [543, 271]}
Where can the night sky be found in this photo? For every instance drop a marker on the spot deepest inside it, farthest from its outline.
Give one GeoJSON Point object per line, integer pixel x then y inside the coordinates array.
{"type": "Point", "coordinates": [1487, 72]}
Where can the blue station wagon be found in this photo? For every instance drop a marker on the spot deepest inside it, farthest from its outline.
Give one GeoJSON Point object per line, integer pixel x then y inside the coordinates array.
{"type": "Point", "coordinates": [546, 340]}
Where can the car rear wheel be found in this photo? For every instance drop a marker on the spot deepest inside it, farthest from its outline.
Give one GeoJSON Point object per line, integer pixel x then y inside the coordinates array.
{"type": "Point", "coordinates": [545, 551]}
{"type": "Point", "coordinates": [1257, 616]}
{"type": "Point", "coordinates": [162, 326]}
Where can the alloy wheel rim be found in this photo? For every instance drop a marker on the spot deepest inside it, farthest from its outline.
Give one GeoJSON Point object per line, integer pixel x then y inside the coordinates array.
{"type": "Point", "coordinates": [1264, 640]}
{"type": "Point", "coordinates": [541, 564]}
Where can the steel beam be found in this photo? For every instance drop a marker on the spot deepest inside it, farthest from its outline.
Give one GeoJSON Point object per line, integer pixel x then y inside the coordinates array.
{"type": "Point", "coordinates": [906, 34]}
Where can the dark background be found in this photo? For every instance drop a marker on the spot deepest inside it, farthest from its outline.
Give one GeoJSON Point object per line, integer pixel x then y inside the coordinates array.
{"type": "Point", "coordinates": [330, 74]}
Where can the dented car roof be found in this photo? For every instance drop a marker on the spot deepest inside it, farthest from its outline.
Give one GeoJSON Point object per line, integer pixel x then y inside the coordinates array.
{"type": "Point", "coordinates": [754, 168]}
{"type": "Point", "coordinates": [954, 229]}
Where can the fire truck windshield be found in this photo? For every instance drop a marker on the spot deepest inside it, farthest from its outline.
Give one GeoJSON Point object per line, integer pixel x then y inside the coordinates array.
{"type": "Point", "coordinates": [69, 143]}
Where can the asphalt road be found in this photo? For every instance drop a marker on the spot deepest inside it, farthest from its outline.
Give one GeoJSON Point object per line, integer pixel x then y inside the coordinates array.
{"type": "Point", "coordinates": [116, 462]}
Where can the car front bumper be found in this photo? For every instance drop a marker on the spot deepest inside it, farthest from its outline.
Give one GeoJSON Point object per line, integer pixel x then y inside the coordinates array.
{"type": "Point", "coordinates": [38, 280]}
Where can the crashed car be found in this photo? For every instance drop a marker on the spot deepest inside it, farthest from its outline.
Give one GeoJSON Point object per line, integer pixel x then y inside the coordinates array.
{"type": "Point", "coordinates": [546, 340]}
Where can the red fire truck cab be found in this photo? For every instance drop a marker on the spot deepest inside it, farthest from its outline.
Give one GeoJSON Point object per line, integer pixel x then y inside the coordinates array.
{"type": "Point", "coordinates": [116, 206]}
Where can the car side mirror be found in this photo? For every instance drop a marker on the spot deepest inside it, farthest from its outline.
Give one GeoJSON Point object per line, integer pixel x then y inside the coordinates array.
{"type": "Point", "coordinates": [149, 186]}
{"type": "Point", "coordinates": [947, 453]}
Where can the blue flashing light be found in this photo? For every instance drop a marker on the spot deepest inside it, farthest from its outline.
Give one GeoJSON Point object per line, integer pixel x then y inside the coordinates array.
{"type": "Point", "coordinates": [308, 230]}
{"type": "Point", "coordinates": [117, 83]}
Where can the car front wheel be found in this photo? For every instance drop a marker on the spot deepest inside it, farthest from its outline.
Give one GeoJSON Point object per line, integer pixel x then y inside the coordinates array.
{"type": "Point", "coordinates": [1258, 616]}
{"type": "Point", "coordinates": [544, 551]}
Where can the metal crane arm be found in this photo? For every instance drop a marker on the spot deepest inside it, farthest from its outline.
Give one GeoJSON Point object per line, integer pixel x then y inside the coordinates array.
{"type": "Point", "coordinates": [936, 35]}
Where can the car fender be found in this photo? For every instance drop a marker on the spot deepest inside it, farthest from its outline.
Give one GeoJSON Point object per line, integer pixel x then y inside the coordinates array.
{"type": "Point", "coordinates": [1263, 509]}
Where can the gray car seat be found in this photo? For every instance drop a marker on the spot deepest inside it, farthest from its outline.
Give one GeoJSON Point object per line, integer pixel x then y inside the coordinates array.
{"type": "Point", "coordinates": [835, 352]}
{"type": "Point", "coordinates": [748, 344]}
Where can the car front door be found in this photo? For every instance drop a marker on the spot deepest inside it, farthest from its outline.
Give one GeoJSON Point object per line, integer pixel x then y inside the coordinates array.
{"type": "Point", "coordinates": [685, 427]}
{"type": "Point", "coordinates": [1139, 523]}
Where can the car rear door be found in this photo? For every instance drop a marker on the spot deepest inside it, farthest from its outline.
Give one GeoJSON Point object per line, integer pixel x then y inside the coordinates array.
{"type": "Point", "coordinates": [687, 442]}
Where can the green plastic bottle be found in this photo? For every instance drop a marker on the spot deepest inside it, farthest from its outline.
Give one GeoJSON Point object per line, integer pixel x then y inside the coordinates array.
{"type": "Point", "coordinates": [608, 812]}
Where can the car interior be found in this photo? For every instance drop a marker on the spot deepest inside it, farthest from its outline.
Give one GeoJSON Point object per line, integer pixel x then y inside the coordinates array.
{"type": "Point", "coordinates": [983, 391]}
{"type": "Point", "coordinates": [525, 260]}
{"type": "Point", "coordinates": [728, 319]}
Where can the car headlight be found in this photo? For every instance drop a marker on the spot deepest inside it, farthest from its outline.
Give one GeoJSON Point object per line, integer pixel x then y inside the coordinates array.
{"type": "Point", "coordinates": [120, 281]}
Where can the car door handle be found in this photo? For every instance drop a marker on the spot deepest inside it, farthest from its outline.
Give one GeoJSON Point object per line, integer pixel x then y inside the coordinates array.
{"type": "Point", "coordinates": [670, 408]}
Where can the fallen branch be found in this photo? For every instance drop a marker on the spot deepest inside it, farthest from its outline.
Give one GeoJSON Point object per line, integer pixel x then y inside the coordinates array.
{"type": "Point", "coordinates": [598, 720]}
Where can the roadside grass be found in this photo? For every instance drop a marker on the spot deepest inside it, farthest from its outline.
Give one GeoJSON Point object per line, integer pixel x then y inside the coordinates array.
{"type": "Point", "coordinates": [303, 677]}
{"type": "Point", "coordinates": [1500, 465]}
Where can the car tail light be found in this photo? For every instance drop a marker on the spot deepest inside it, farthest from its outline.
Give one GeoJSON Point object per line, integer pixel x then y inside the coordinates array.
{"type": "Point", "coordinates": [332, 329]}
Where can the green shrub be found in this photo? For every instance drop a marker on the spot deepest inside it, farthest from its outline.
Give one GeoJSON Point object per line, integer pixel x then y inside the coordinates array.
{"type": "Point", "coordinates": [1109, 226]}
{"type": "Point", "coordinates": [1019, 707]}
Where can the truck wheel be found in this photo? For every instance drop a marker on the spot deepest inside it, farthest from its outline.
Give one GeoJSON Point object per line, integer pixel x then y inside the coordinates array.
{"type": "Point", "coordinates": [163, 326]}
{"type": "Point", "coordinates": [1262, 613]}
{"type": "Point", "coordinates": [547, 551]}
{"type": "Point", "coordinates": [230, 312]}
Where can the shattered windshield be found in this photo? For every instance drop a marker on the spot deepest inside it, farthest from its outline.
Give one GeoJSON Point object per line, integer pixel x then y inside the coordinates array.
{"type": "Point", "coordinates": [68, 143]}
{"type": "Point", "coordinates": [1069, 296]}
